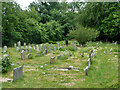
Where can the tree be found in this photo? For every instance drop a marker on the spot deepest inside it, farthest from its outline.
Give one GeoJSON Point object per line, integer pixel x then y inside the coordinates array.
{"type": "Point", "coordinates": [83, 34]}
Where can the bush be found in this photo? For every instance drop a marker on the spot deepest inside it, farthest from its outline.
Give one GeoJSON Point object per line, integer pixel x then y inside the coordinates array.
{"type": "Point", "coordinates": [62, 49]}
{"type": "Point", "coordinates": [51, 42]}
{"type": "Point", "coordinates": [83, 34]}
{"type": "Point", "coordinates": [6, 64]}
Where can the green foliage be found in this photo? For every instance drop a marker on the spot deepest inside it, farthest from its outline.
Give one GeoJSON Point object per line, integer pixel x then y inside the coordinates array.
{"type": "Point", "coordinates": [71, 48]}
{"type": "Point", "coordinates": [6, 64]}
{"type": "Point", "coordinates": [61, 49]}
{"type": "Point", "coordinates": [83, 34]}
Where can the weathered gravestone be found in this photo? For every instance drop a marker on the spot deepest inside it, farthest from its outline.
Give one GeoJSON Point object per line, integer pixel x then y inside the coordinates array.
{"type": "Point", "coordinates": [58, 57]}
{"type": "Point", "coordinates": [28, 56]}
{"type": "Point", "coordinates": [34, 47]}
{"type": "Point", "coordinates": [22, 55]}
{"type": "Point", "coordinates": [17, 73]}
{"type": "Point", "coordinates": [54, 48]}
{"type": "Point", "coordinates": [15, 45]}
{"type": "Point", "coordinates": [19, 44]}
{"type": "Point", "coordinates": [24, 44]}
{"type": "Point", "coordinates": [5, 49]}
{"type": "Point", "coordinates": [37, 48]}
{"type": "Point", "coordinates": [97, 46]}
{"type": "Point", "coordinates": [52, 60]}
{"type": "Point", "coordinates": [58, 44]}
{"type": "Point", "coordinates": [30, 49]}
{"type": "Point", "coordinates": [22, 48]}
{"type": "Point", "coordinates": [61, 44]}
{"type": "Point", "coordinates": [50, 47]}
{"type": "Point", "coordinates": [17, 49]}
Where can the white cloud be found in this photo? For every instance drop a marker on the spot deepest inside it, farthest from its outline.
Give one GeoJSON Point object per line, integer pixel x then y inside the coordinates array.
{"type": "Point", "coordinates": [24, 3]}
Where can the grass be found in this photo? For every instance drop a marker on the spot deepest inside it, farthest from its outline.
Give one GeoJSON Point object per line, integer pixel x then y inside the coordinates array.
{"type": "Point", "coordinates": [103, 72]}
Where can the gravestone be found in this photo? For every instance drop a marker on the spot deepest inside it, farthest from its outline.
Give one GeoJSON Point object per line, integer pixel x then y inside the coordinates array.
{"type": "Point", "coordinates": [17, 49]}
{"type": "Point", "coordinates": [26, 50]}
{"type": "Point", "coordinates": [19, 44]}
{"type": "Point", "coordinates": [30, 49]}
{"type": "Point", "coordinates": [41, 47]}
{"type": "Point", "coordinates": [55, 47]}
{"type": "Point", "coordinates": [52, 60]}
{"type": "Point", "coordinates": [22, 48]}
{"type": "Point", "coordinates": [46, 51]}
{"type": "Point", "coordinates": [37, 48]}
{"type": "Point", "coordinates": [44, 47]}
{"type": "Point", "coordinates": [28, 56]}
{"type": "Point", "coordinates": [22, 55]}
{"type": "Point", "coordinates": [17, 73]}
{"type": "Point", "coordinates": [61, 44]}
{"type": "Point", "coordinates": [34, 47]}
{"type": "Point", "coordinates": [5, 55]}
{"type": "Point", "coordinates": [58, 57]}
{"type": "Point", "coordinates": [5, 49]}
{"type": "Point", "coordinates": [94, 53]}
{"type": "Point", "coordinates": [15, 45]}
{"type": "Point", "coordinates": [50, 47]}
{"type": "Point", "coordinates": [24, 44]}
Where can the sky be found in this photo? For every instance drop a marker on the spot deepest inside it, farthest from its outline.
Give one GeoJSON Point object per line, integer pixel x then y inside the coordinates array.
{"type": "Point", "coordinates": [25, 3]}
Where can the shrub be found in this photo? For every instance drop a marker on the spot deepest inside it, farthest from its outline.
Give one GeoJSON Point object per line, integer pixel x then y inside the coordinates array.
{"type": "Point", "coordinates": [6, 63]}
{"type": "Point", "coordinates": [62, 49]}
{"type": "Point", "coordinates": [83, 34]}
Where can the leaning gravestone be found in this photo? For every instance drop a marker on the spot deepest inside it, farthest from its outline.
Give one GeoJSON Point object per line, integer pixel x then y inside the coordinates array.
{"type": "Point", "coordinates": [28, 56]}
{"type": "Point", "coordinates": [52, 60]}
{"type": "Point", "coordinates": [22, 55]}
{"type": "Point", "coordinates": [5, 49]}
{"type": "Point", "coordinates": [17, 73]}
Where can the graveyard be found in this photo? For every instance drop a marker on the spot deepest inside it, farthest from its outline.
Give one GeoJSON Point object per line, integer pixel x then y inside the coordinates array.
{"type": "Point", "coordinates": [45, 65]}
{"type": "Point", "coordinates": [61, 44]}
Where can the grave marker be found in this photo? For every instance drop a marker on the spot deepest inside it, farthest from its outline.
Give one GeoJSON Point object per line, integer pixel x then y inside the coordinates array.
{"type": "Point", "coordinates": [58, 57]}
{"type": "Point", "coordinates": [22, 55]}
{"type": "Point", "coordinates": [17, 73]}
{"type": "Point", "coordinates": [5, 49]}
{"type": "Point", "coordinates": [15, 45]}
{"type": "Point", "coordinates": [52, 60]}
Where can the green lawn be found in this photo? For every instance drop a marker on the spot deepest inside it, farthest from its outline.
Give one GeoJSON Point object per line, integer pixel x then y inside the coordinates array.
{"type": "Point", "coordinates": [103, 72]}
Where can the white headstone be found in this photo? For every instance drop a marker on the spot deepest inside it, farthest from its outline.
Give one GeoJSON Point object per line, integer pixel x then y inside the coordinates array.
{"type": "Point", "coordinates": [5, 49]}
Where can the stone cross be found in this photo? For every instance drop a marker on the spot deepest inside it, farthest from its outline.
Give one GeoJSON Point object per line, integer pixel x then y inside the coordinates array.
{"type": "Point", "coordinates": [17, 73]}
{"type": "Point", "coordinates": [22, 55]}
{"type": "Point", "coordinates": [52, 60]}
{"type": "Point", "coordinates": [5, 49]}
